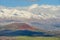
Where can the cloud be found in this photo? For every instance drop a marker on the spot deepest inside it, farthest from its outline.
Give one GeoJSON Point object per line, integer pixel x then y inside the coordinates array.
{"type": "Point", "coordinates": [34, 11]}
{"type": "Point", "coordinates": [43, 16]}
{"type": "Point", "coordinates": [33, 6]}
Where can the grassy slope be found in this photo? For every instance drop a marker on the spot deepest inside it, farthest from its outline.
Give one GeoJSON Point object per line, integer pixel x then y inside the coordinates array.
{"type": "Point", "coordinates": [37, 38]}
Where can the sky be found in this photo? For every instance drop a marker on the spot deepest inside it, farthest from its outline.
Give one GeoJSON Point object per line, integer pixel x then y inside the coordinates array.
{"type": "Point", "coordinates": [14, 3]}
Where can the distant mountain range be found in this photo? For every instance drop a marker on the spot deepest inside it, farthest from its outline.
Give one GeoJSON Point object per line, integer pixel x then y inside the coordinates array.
{"type": "Point", "coordinates": [22, 29]}
{"type": "Point", "coordinates": [18, 26]}
{"type": "Point", "coordinates": [23, 33]}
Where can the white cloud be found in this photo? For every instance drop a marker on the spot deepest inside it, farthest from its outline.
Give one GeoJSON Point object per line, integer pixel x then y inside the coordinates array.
{"type": "Point", "coordinates": [33, 6]}
{"type": "Point", "coordinates": [34, 11]}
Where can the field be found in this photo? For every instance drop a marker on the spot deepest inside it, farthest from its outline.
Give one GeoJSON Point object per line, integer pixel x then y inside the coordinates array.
{"type": "Point", "coordinates": [37, 38]}
{"type": "Point", "coordinates": [29, 38]}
